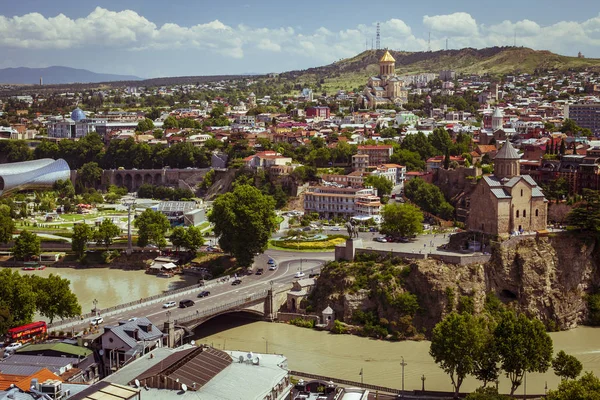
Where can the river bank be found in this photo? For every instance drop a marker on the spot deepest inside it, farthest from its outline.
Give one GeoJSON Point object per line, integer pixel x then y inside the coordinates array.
{"type": "Point", "coordinates": [343, 356]}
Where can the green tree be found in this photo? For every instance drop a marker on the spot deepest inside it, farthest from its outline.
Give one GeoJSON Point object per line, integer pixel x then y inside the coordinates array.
{"type": "Point", "coordinates": [64, 188]}
{"type": "Point", "coordinates": [6, 320]}
{"type": "Point", "coordinates": [383, 185]}
{"type": "Point", "coordinates": [7, 224]}
{"type": "Point", "coordinates": [152, 228]}
{"type": "Point", "coordinates": [455, 342]}
{"type": "Point", "coordinates": [195, 239]}
{"type": "Point", "coordinates": [244, 219]}
{"type": "Point", "coordinates": [429, 197]}
{"type": "Point", "coordinates": [145, 125]}
{"type": "Point", "coordinates": [106, 233]}
{"type": "Point", "coordinates": [54, 297]}
{"type": "Point", "coordinates": [410, 159]}
{"type": "Point", "coordinates": [487, 358]}
{"type": "Point", "coordinates": [170, 122]}
{"type": "Point", "coordinates": [16, 295]}
{"type": "Point", "coordinates": [486, 393]}
{"type": "Point", "coordinates": [566, 366]}
{"type": "Point", "coordinates": [89, 175]}
{"type": "Point", "coordinates": [401, 220]}
{"type": "Point", "coordinates": [178, 237]}
{"type": "Point", "coordinates": [440, 140]}
{"type": "Point", "coordinates": [82, 234]}
{"type": "Point", "coordinates": [27, 245]}
{"type": "Point", "coordinates": [418, 143]}
{"type": "Point", "coordinates": [585, 388]}
{"type": "Point", "coordinates": [523, 345]}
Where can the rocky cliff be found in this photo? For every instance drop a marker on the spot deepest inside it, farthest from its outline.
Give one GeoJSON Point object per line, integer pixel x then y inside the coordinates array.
{"type": "Point", "coordinates": [546, 277]}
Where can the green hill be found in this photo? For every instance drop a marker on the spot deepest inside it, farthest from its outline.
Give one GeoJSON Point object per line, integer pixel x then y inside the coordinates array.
{"type": "Point", "coordinates": [353, 72]}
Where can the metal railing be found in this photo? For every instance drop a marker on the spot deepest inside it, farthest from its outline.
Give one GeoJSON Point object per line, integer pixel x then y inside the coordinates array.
{"type": "Point", "coordinates": [224, 307]}
{"type": "Point", "coordinates": [137, 303]}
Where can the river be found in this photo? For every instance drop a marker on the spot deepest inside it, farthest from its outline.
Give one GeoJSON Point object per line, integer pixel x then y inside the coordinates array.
{"type": "Point", "coordinates": [343, 356]}
{"type": "Point", "coordinates": [113, 286]}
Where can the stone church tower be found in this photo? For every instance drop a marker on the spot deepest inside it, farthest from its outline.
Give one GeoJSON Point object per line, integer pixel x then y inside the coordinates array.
{"type": "Point", "coordinates": [506, 162]}
{"type": "Point", "coordinates": [387, 65]}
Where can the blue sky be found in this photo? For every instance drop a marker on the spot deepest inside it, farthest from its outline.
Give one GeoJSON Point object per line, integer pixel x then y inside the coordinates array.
{"type": "Point", "coordinates": [152, 38]}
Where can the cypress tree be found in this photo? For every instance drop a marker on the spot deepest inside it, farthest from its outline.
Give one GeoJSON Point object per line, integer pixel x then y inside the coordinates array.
{"type": "Point", "coordinates": [563, 147]}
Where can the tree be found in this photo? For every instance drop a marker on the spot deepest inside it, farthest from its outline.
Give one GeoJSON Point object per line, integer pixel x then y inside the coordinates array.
{"type": "Point", "coordinates": [440, 140]}
{"type": "Point", "coordinates": [152, 228]}
{"type": "Point", "coordinates": [383, 185]}
{"type": "Point", "coordinates": [195, 239]}
{"type": "Point", "coordinates": [82, 234]}
{"type": "Point", "coordinates": [106, 233]}
{"type": "Point", "coordinates": [64, 188]}
{"type": "Point", "coordinates": [244, 219]}
{"type": "Point", "coordinates": [410, 159]}
{"type": "Point", "coordinates": [486, 393]}
{"type": "Point", "coordinates": [566, 366]}
{"type": "Point", "coordinates": [27, 244]}
{"type": "Point", "coordinates": [454, 345]}
{"type": "Point", "coordinates": [170, 122]}
{"type": "Point", "coordinates": [487, 358]}
{"type": "Point", "coordinates": [586, 388]}
{"type": "Point", "coordinates": [7, 224]}
{"type": "Point", "coordinates": [54, 297]}
{"type": "Point", "coordinates": [145, 125]}
{"type": "Point", "coordinates": [17, 296]}
{"type": "Point", "coordinates": [89, 174]}
{"type": "Point", "coordinates": [523, 345]}
{"type": "Point", "coordinates": [401, 220]}
{"type": "Point", "coordinates": [179, 237]}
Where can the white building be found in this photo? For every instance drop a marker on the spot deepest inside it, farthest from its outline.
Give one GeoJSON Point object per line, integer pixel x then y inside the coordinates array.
{"type": "Point", "coordinates": [332, 202]}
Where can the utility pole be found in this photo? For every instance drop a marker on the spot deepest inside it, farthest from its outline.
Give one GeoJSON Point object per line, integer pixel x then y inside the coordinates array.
{"type": "Point", "coordinates": [403, 365]}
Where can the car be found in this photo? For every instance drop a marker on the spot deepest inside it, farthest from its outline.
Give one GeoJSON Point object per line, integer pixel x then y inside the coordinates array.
{"type": "Point", "coordinates": [404, 240]}
{"type": "Point", "coordinates": [186, 303]}
{"type": "Point", "coordinates": [299, 274]}
{"type": "Point", "coordinates": [132, 319]}
{"type": "Point", "coordinates": [260, 271]}
{"type": "Point", "coordinates": [336, 229]}
{"type": "Point", "coordinates": [236, 282]}
{"type": "Point", "coordinates": [381, 239]}
{"type": "Point", "coordinates": [13, 346]}
{"type": "Point", "coordinates": [97, 320]}
{"type": "Point", "coordinates": [272, 267]}
{"type": "Point", "coordinates": [169, 304]}
{"type": "Point", "coordinates": [203, 293]}
{"type": "Point", "coordinates": [271, 261]}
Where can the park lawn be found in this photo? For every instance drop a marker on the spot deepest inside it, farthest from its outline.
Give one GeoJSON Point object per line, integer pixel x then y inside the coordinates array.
{"type": "Point", "coordinates": [318, 245]}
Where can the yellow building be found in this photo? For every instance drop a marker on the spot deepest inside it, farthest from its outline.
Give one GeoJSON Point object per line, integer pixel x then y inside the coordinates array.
{"type": "Point", "coordinates": [507, 202]}
{"type": "Point", "coordinates": [386, 88]}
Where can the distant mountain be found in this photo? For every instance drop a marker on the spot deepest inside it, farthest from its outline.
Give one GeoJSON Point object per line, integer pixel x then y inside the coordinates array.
{"type": "Point", "coordinates": [57, 75]}
{"type": "Point", "coordinates": [353, 72]}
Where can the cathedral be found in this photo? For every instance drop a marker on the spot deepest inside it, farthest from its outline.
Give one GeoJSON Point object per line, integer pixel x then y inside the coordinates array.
{"type": "Point", "coordinates": [386, 88]}
{"type": "Point", "coordinates": [507, 202]}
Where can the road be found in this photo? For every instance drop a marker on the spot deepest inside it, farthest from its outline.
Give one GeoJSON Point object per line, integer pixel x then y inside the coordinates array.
{"type": "Point", "coordinates": [222, 293]}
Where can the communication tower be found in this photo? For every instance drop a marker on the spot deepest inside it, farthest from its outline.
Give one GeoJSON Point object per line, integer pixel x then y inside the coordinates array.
{"type": "Point", "coordinates": [378, 38]}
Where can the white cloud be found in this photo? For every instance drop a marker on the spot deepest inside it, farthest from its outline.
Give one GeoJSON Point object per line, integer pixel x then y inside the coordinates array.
{"type": "Point", "coordinates": [266, 44]}
{"type": "Point", "coordinates": [459, 24]}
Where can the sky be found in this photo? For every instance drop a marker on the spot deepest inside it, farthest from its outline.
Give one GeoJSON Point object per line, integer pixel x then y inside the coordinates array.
{"type": "Point", "coordinates": [152, 38]}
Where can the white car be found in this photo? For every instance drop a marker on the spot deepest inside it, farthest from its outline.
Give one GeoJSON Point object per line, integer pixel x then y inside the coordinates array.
{"type": "Point", "coordinates": [132, 319]}
{"type": "Point", "coordinates": [272, 267]}
{"type": "Point", "coordinates": [97, 320]}
{"type": "Point", "coordinates": [169, 304]}
{"type": "Point", "coordinates": [336, 229]}
{"type": "Point", "coordinates": [299, 274]}
{"type": "Point", "coordinates": [13, 346]}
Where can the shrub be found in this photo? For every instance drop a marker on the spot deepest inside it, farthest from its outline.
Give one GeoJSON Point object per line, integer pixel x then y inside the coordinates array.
{"type": "Point", "coordinates": [338, 328]}
{"type": "Point", "coordinates": [303, 323]}
{"type": "Point", "coordinates": [593, 303]}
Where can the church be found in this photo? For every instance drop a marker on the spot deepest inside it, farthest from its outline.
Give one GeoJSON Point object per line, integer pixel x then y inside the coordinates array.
{"type": "Point", "coordinates": [507, 202]}
{"type": "Point", "coordinates": [386, 88]}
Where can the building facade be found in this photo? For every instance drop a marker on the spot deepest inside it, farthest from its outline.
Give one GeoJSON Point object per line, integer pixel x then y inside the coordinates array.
{"type": "Point", "coordinates": [330, 202]}
{"type": "Point", "coordinates": [377, 154]}
{"type": "Point", "coordinates": [507, 202]}
{"type": "Point", "coordinates": [585, 115]}
{"type": "Point", "coordinates": [386, 88]}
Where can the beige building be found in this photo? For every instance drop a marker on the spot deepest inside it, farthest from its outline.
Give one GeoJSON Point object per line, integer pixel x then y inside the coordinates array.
{"type": "Point", "coordinates": [386, 88]}
{"type": "Point", "coordinates": [346, 202]}
{"type": "Point", "coordinates": [507, 202]}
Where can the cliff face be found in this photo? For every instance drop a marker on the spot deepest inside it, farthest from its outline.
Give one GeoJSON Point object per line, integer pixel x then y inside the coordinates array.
{"type": "Point", "coordinates": [545, 277]}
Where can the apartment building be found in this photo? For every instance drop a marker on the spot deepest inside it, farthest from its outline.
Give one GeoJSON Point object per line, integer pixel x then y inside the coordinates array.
{"type": "Point", "coordinates": [377, 154]}
{"type": "Point", "coordinates": [393, 172]}
{"type": "Point", "coordinates": [585, 115]}
{"type": "Point", "coordinates": [330, 202]}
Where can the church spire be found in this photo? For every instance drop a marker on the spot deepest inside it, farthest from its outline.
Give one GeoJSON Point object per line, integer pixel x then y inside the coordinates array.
{"type": "Point", "coordinates": [387, 64]}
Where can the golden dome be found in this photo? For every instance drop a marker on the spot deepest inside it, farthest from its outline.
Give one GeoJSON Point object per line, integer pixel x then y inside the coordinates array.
{"type": "Point", "coordinates": [387, 57]}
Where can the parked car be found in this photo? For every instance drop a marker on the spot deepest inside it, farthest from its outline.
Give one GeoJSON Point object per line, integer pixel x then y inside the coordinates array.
{"type": "Point", "coordinates": [97, 320]}
{"type": "Point", "coordinates": [260, 271]}
{"type": "Point", "coordinates": [404, 240]}
{"type": "Point", "coordinates": [271, 261]}
{"type": "Point", "coordinates": [381, 239]}
{"type": "Point", "coordinates": [13, 346]}
{"type": "Point", "coordinates": [132, 319]}
{"type": "Point", "coordinates": [169, 304]}
{"type": "Point", "coordinates": [272, 267]}
{"type": "Point", "coordinates": [299, 274]}
{"type": "Point", "coordinates": [186, 303]}
{"type": "Point", "coordinates": [236, 282]}
{"type": "Point", "coordinates": [336, 229]}
{"type": "Point", "coordinates": [203, 293]}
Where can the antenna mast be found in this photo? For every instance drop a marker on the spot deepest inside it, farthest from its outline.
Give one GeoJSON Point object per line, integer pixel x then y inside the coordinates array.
{"type": "Point", "coordinates": [515, 43]}
{"type": "Point", "coordinates": [446, 44]}
{"type": "Point", "coordinates": [378, 38]}
{"type": "Point", "coordinates": [429, 42]}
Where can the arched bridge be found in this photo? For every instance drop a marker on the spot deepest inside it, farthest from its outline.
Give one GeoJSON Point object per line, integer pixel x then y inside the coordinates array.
{"type": "Point", "coordinates": [263, 304]}
{"type": "Point", "coordinates": [132, 179]}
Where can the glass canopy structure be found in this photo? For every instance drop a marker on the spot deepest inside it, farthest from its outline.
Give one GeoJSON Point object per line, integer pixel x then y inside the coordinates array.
{"type": "Point", "coordinates": [35, 174]}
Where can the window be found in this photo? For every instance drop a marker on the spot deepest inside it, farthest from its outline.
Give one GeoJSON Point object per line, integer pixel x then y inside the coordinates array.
{"type": "Point", "coordinates": [536, 212]}
{"type": "Point", "coordinates": [517, 213]}
{"type": "Point", "coordinates": [521, 192]}
{"type": "Point", "coordinates": [524, 213]}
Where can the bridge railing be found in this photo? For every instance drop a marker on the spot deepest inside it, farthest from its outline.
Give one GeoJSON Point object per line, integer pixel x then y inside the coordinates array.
{"type": "Point", "coordinates": [137, 303]}
{"type": "Point", "coordinates": [224, 307]}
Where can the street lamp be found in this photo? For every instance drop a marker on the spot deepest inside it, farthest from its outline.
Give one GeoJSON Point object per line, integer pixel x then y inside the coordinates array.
{"type": "Point", "coordinates": [423, 383]}
{"type": "Point", "coordinates": [266, 345]}
{"type": "Point", "coordinates": [169, 316]}
{"type": "Point", "coordinates": [403, 365]}
{"type": "Point", "coordinates": [95, 307]}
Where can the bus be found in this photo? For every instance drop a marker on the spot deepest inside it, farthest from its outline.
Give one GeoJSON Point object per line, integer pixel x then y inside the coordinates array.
{"type": "Point", "coordinates": [26, 333]}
